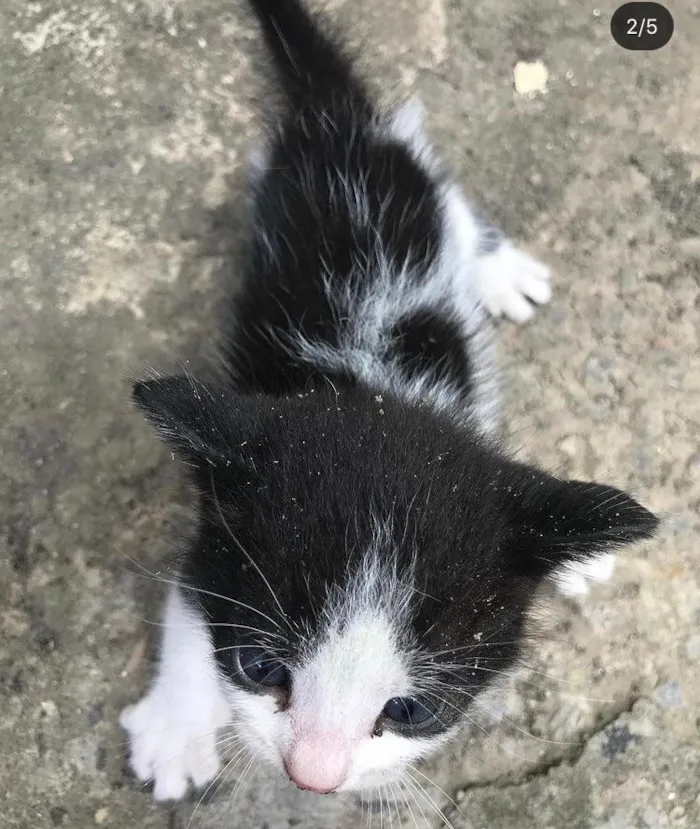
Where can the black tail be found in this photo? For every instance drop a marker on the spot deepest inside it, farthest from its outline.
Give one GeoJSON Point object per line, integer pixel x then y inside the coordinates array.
{"type": "Point", "coordinates": [309, 62]}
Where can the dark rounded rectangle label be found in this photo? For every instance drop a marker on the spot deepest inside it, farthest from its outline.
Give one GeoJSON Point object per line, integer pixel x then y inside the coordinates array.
{"type": "Point", "coordinates": [642, 26]}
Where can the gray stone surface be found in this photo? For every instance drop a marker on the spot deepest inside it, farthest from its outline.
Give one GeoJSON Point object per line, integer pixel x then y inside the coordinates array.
{"type": "Point", "coordinates": [125, 126]}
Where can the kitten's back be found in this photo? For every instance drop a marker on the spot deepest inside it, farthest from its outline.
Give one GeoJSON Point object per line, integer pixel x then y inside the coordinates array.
{"type": "Point", "coordinates": [359, 255]}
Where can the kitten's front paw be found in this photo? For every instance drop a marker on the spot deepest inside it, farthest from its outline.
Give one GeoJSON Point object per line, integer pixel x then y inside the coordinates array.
{"type": "Point", "coordinates": [172, 745]}
{"type": "Point", "coordinates": [508, 278]}
{"type": "Point", "coordinates": [575, 579]}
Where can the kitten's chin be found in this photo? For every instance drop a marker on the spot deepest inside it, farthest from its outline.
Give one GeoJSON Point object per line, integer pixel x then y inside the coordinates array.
{"type": "Point", "coordinates": [366, 783]}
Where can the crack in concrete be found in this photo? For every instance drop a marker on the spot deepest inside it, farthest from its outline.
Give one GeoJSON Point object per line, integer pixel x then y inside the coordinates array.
{"type": "Point", "coordinates": [569, 757]}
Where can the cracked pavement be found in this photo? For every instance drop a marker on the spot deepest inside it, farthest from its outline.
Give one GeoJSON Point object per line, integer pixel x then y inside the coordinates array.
{"type": "Point", "coordinates": [124, 133]}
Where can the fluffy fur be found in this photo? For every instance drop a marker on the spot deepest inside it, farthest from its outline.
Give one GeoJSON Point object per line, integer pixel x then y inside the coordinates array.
{"type": "Point", "coordinates": [359, 523]}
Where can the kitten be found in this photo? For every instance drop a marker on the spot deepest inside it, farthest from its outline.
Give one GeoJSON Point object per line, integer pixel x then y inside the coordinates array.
{"type": "Point", "coordinates": [366, 548]}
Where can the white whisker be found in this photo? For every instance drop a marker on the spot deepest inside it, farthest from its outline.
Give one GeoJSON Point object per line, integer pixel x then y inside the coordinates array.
{"type": "Point", "coordinates": [147, 574]}
{"type": "Point", "coordinates": [252, 561]}
{"type": "Point", "coordinates": [421, 790]}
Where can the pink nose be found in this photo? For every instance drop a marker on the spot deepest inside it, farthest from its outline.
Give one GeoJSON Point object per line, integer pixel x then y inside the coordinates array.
{"type": "Point", "coordinates": [318, 762]}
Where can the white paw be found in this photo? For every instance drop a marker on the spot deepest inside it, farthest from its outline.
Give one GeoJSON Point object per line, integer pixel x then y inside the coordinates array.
{"type": "Point", "coordinates": [172, 746]}
{"type": "Point", "coordinates": [575, 579]}
{"type": "Point", "coordinates": [510, 281]}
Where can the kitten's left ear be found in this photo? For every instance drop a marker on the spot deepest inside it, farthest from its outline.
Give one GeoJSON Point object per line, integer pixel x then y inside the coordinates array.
{"type": "Point", "coordinates": [556, 523]}
{"type": "Point", "coordinates": [203, 423]}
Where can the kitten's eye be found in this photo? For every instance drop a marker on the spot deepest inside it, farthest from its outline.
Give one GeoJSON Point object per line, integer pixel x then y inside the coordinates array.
{"type": "Point", "coordinates": [408, 710]}
{"type": "Point", "coordinates": [262, 668]}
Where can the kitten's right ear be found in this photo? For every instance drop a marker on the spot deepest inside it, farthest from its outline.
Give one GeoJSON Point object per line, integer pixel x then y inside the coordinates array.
{"type": "Point", "coordinates": [202, 423]}
{"type": "Point", "coordinates": [556, 524]}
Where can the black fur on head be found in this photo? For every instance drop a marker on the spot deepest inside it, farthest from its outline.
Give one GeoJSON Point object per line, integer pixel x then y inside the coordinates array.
{"type": "Point", "coordinates": [291, 490]}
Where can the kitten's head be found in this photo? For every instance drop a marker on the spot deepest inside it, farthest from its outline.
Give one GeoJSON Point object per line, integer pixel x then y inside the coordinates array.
{"type": "Point", "coordinates": [366, 567]}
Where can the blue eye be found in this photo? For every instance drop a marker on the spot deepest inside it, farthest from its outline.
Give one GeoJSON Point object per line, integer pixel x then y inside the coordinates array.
{"type": "Point", "coordinates": [408, 711]}
{"type": "Point", "coordinates": [262, 668]}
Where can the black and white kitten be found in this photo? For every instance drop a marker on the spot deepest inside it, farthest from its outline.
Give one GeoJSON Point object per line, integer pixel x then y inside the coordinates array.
{"type": "Point", "coordinates": [366, 550]}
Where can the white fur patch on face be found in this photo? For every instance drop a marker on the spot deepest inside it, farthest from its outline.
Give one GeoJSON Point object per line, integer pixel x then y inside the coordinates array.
{"type": "Point", "coordinates": [356, 764]}
{"type": "Point", "coordinates": [325, 739]}
{"type": "Point", "coordinates": [357, 663]}
{"type": "Point", "coordinates": [337, 696]}
{"type": "Point", "coordinates": [259, 724]}
{"type": "Point", "coordinates": [354, 671]}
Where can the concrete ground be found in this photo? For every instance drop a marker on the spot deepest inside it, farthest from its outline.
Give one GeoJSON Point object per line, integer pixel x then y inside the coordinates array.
{"type": "Point", "coordinates": [124, 130]}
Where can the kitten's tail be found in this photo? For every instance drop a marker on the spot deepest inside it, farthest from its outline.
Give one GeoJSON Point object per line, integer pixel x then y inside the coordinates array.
{"type": "Point", "coordinates": [309, 62]}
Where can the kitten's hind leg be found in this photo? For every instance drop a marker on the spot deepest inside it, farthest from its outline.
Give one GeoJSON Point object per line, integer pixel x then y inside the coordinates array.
{"type": "Point", "coordinates": [173, 729]}
{"type": "Point", "coordinates": [507, 280]}
{"type": "Point", "coordinates": [510, 281]}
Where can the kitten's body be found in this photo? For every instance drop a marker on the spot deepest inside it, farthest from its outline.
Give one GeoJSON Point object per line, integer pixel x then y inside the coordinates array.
{"type": "Point", "coordinates": [365, 546]}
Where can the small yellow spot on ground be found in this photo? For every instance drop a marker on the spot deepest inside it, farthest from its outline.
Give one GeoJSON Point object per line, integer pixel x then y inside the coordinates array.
{"type": "Point", "coordinates": [101, 815]}
{"type": "Point", "coordinates": [530, 78]}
